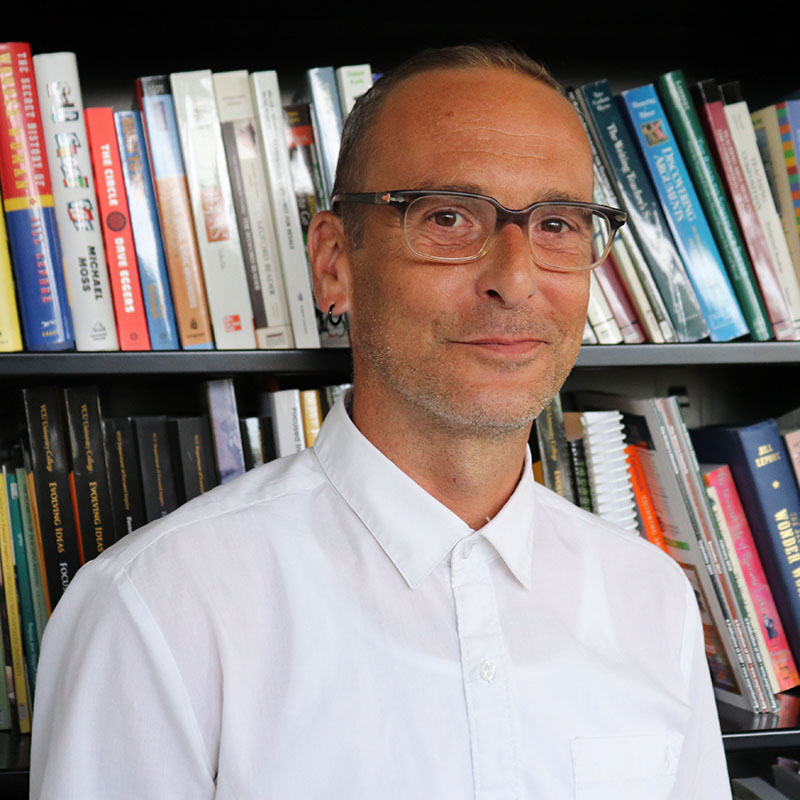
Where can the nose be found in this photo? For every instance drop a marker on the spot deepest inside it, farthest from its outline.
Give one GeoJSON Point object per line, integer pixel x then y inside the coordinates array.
{"type": "Point", "coordinates": [509, 274]}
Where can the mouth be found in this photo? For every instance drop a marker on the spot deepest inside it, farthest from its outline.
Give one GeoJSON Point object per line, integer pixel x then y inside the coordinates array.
{"type": "Point", "coordinates": [509, 347]}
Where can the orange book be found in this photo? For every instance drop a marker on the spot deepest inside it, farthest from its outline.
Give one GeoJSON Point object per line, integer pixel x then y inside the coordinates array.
{"type": "Point", "coordinates": [644, 500]}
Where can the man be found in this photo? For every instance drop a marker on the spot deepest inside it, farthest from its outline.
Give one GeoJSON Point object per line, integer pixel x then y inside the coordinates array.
{"type": "Point", "coordinates": [400, 611]}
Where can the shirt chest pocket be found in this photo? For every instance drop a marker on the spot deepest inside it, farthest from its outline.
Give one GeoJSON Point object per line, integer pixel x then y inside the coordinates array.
{"type": "Point", "coordinates": [625, 767]}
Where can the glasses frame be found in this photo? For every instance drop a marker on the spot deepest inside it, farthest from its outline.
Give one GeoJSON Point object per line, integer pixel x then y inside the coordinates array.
{"type": "Point", "coordinates": [402, 199]}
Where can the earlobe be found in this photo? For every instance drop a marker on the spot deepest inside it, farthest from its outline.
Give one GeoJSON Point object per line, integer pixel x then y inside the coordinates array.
{"type": "Point", "coordinates": [328, 250]}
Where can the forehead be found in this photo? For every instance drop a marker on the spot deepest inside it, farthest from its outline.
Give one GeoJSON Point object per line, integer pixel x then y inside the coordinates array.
{"type": "Point", "coordinates": [490, 129]}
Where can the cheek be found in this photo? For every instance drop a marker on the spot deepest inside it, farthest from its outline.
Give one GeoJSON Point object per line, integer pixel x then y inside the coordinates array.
{"type": "Point", "coordinates": [568, 297]}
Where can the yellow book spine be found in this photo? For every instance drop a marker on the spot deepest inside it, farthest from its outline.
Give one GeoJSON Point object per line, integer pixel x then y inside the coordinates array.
{"type": "Point", "coordinates": [12, 613]}
{"type": "Point", "coordinates": [10, 333]}
{"type": "Point", "coordinates": [312, 414]}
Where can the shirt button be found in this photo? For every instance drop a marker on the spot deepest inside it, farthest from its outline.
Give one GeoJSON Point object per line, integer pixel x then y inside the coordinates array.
{"type": "Point", "coordinates": [487, 671]}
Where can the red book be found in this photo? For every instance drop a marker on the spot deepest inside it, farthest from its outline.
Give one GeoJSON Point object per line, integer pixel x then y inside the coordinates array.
{"type": "Point", "coordinates": [123, 268]}
{"type": "Point", "coordinates": [619, 303]}
{"type": "Point", "coordinates": [720, 477]}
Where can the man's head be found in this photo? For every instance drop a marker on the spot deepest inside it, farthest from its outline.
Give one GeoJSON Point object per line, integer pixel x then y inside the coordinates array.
{"type": "Point", "coordinates": [477, 347]}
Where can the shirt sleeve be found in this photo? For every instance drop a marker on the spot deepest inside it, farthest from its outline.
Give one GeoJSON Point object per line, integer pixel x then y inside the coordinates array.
{"type": "Point", "coordinates": [112, 715]}
{"type": "Point", "coordinates": [702, 769]}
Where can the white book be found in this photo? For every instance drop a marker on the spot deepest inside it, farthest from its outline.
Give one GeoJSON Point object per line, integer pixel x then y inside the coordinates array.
{"type": "Point", "coordinates": [744, 140]}
{"type": "Point", "coordinates": [212, 209]}
{"type": "Point", "coordinates": [79, 225]}
{"type": "Point", "coordinates": [253, 211]}
{"type": "Point", "coordinates": [287, 421]}
{"type": "Point", "coordinates": [599, 314]}
{"type": "Point", "coordinates": [352, 81]}
{"type": "Point", "coordinates": [326, 111]}
{"type": "Point", "coordinates": [271, 129]}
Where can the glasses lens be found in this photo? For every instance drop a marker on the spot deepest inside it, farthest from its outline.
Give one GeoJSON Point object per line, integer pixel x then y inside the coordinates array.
{"type": "Point", "coordinates": [569, 236]}
{"type": "Point", "coordinates": [446, 227]}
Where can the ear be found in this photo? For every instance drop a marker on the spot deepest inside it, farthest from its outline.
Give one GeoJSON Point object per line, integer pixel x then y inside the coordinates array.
{"type": "Point", "coordinates": [328, 252]}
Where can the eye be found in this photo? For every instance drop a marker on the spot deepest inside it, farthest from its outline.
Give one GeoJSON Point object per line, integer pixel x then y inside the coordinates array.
{"type": "Point", "coordinates": [447, 218]}
{"type": "Point", "coordinates": [554, 225]}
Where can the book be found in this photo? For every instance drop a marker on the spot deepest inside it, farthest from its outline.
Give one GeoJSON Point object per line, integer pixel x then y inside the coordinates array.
{"type": "Point", "coordinates": [352, 81]}
{"type": "Point", "coordinates": [685, 217]}
{"type": "Point", "coordinates": [50, 468]}
{"type": "Point", "coordinates": [114, 220]}
{"type": "Point", "coordinates": [124, 475]}
{"type": "Point", "coordinates": [708, 101]}
{"type": "Point", "coordinates": [29, 208]}
{"type": "Point", "coordinates": [155, 465]}
{"type": "Point", "coordinates": [769, 495]}
{"type": "Point", "coordinates": [220, 399]}
{"type": "Point", "coordinates": [146, 230]}
{"type": "Point", "coordinates": [648, 236]}
{"type": "Point", "coordinates": [11, 598]}
{"type": "Point", "coordinates": [743, 136]}
{"type": "Point", "coordinates": [272, 141]}
{"type": "Point", "coordinates": [579, 471]}
{"type": "Point", "coordinates": [619, 303]}
{"type": "Point", "coordinates": [90, 488]}
{"type": "Point", "coordinates": [756, 586]}
{"type": "Point", "coordinates": [788, 112]}
{"type": "Point", "coordinates": [253, 212]}
{"type": "Point", "coordinates": [85, 267]}
{"type": "Point", "coordinates": [553, 450]}
{"type": "Point", "coordinates": [649, 526]}
{"type": "Point", "coordinates": [283, 407]}
{"type": "Point", "coordinates": [10, 331]}
{"type": "Point", "coordinates": [680, 110]}
{"type": "Point", "coordinates": [323, 95]}
{"type": "Point", "coordinates": [175, 213]}
{"type": "Point", "coordinates": [192, 456]}
{"type": "Point", "coordinates": [212, 205]}
{"type": "Point", "coordinates": [600, 316]}
{"type": "Point", "coordinates": [312, 415]}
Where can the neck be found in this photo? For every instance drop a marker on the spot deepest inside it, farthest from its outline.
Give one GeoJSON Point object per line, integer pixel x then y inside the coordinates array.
{"type": "Point", "coordinates": [471, 474]}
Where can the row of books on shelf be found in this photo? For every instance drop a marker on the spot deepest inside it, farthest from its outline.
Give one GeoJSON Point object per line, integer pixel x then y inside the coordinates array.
{"type": "Point", "coordinates": [180, 224]}
{"type": "Point", "coordinates": [78, 480]}
{"type": "Point", "coordinates": [722, 500]}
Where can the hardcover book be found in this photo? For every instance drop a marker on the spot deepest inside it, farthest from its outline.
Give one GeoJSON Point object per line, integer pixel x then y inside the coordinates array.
{"type": "Point", "coordinates": [124, 475]}
{"type": "Point", "coordinates": [29, 208]}
{"type": "Point", "coordinates": [175, 213]}
{"type": "Point", "coordinates": [79, 223]}
{"type": "Point", "coordinates": [155, 464]}
{"type": "Point", "coordinates": [192, 456]}
{"type": "Point", "coordinates": [220, 397]}
{"type": "Point", "coordinates": [212, 205]}
{"type": "Point", "coordinates": [681, 206]}
{"type": "Point", "coordinates": [146, 230]}
{"type": "Point", "coordinates": [283, 406]}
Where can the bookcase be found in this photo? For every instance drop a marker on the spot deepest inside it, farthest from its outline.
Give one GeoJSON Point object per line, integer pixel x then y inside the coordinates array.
{"type": "Point", "coordinates": [718, 382]}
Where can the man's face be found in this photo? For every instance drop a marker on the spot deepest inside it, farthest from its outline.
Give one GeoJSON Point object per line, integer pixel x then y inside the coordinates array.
{"type": "Point", "coordinates": [477, 347]}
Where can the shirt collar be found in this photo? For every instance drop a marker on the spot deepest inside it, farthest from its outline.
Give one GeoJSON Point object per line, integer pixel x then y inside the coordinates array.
{"type": "Point", "coordinates": [414, 529]}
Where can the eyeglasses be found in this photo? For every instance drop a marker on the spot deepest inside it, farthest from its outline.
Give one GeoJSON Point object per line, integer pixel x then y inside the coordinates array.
{"type": "Point", "coordinates": [460, 226]}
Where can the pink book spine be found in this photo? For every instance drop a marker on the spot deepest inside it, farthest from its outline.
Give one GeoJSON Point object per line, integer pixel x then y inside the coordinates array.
{"type": "Point", "coordinates": [619, 303]}
{"type": "Point", "coordinates": [760, 593]}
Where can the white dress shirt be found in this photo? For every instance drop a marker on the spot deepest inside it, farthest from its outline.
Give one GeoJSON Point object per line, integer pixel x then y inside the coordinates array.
{"type": "Point", "coordinates": [323, 628]}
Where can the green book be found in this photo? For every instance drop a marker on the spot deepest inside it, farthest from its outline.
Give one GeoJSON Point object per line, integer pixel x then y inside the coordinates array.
{"type": "Point", "coordinates": [685, 123]}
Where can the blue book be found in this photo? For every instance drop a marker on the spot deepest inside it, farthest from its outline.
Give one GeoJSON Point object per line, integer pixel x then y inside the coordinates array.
{"type": "Point", "coordinates": [765, 480]}
{"type": "Point", "coordinates": [146, 231]}
{"type": "Point", "coordinates": [679, 201]}
{"type": "Point", "coordinates": [326, 109]}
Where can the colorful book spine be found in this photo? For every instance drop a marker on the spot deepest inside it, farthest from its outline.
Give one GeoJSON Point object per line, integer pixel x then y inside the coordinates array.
{"type": "Point", "coordinates": [312, 414]}
{"type": "Point", "coordinates": [789, 122]}
{"type": "Point", "coordinates": [684, 214]}
{"type": "Point", "coordinates": [618, 301]}
{"type": "Point", "coordinates": [272, 139]}
{"type": "Point", "coordinates": [29, 207]}
{"type": "Point", "coordinates": [648, 233]}
{"type": "Point", "coordinates": [32, 554]}
{"type": "Point", "coordinates": [10, 331]}
{"type": "Point", "coordinates": [776, 292]}
{"type": "Point", "coordinates": [677, 103]}
{"type": "Point", "coordinates": [79, 225]}
{"type": "Point", "coordinates": [649, 524]}
{"type": "Point", "coordinates": [253, 212]}
{"type": "Point", "coordinates": [213, 210]}
{"type": "Point", "coordinates": [112, 203]}
{"type": "Point", "coordinates": [323, 95]}
{"type": "Point", "coordinates": [175, 213]}
{"type": "Point", "coordinates": [765, 611]}
{"type": "Point", "coordinates": [146, 230]}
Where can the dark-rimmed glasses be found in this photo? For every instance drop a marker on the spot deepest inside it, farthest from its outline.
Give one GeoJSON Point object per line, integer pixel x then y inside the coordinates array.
{"type": "Point", "coordinates": [461, 226]}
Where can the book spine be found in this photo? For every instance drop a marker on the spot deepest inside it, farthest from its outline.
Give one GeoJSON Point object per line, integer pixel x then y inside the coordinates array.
{"type": "Point", "coordinates": [287, 421]}
{"type": "Point", "coordinates": [50, 468]}
{"type": "Point", "coordinates": [352, 81]}
{"type": "Point", "coordinates": [155, 462]}
{"type": "Point", "coordinates": [737, 115]}
{"type": "Point", "coordinates": [600, 316]}
{"type": "Point", "coordinates": [253, 211]}
{"type": "Point", "coordinates": [192, 456]}
{"type": "Point", "coordinates": [10, 331]}
{"type": "Point", "coordinates": [12, 611]}
{"type": "Point", "coordinates": [685, 216]}
{"type": "Point", "coordinates": [29, 633]}
{"type": "Point", "coordinates": [213, 211]}
{"type": "Point", "coordinates": [552, 440]}
{"type": "Point", "coordinates": [32, 554]}
{"type": "Point", "coordinates": [124, 475]}
{"type": "Point", "coordinates": [619, 303]}
{"type": "Point", "coordinates": [112, 204]}
{"type": "Point", "coordinates": [220, 397]}
{"type": "Point", "coordinates": [93, 500]}
{"type": "Point", "coordinates": [789, 122]}
{"type": "Point", "coordinates": [755, 581]}
{"type": "Point", "coordinates": [683, 118]}
{"type": "Point", "coordinates": [85, 267]}
{"type": "Point", "coordinates": [272, 139]}
{"type": "Point", "coordinates": [647, 232]}
{"type": "Point", "coordinates": [175, 213]}
{"type": "Point", "coordinates": [29, 207]}
{"type": "Point", "coordinates": [650, 526]}
{"type": "Point", "coordinates": [312, 415]}
{"type": "Point", "coordinates": [323, 95]}
{"type": "Point", "coordinates": [776, 298]}
{"type": "Point", "coordinates": [146, 231]}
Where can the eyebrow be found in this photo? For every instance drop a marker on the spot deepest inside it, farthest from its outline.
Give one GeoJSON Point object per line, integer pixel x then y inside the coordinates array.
{"type": "Point", "coordinates": [550, 196]}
